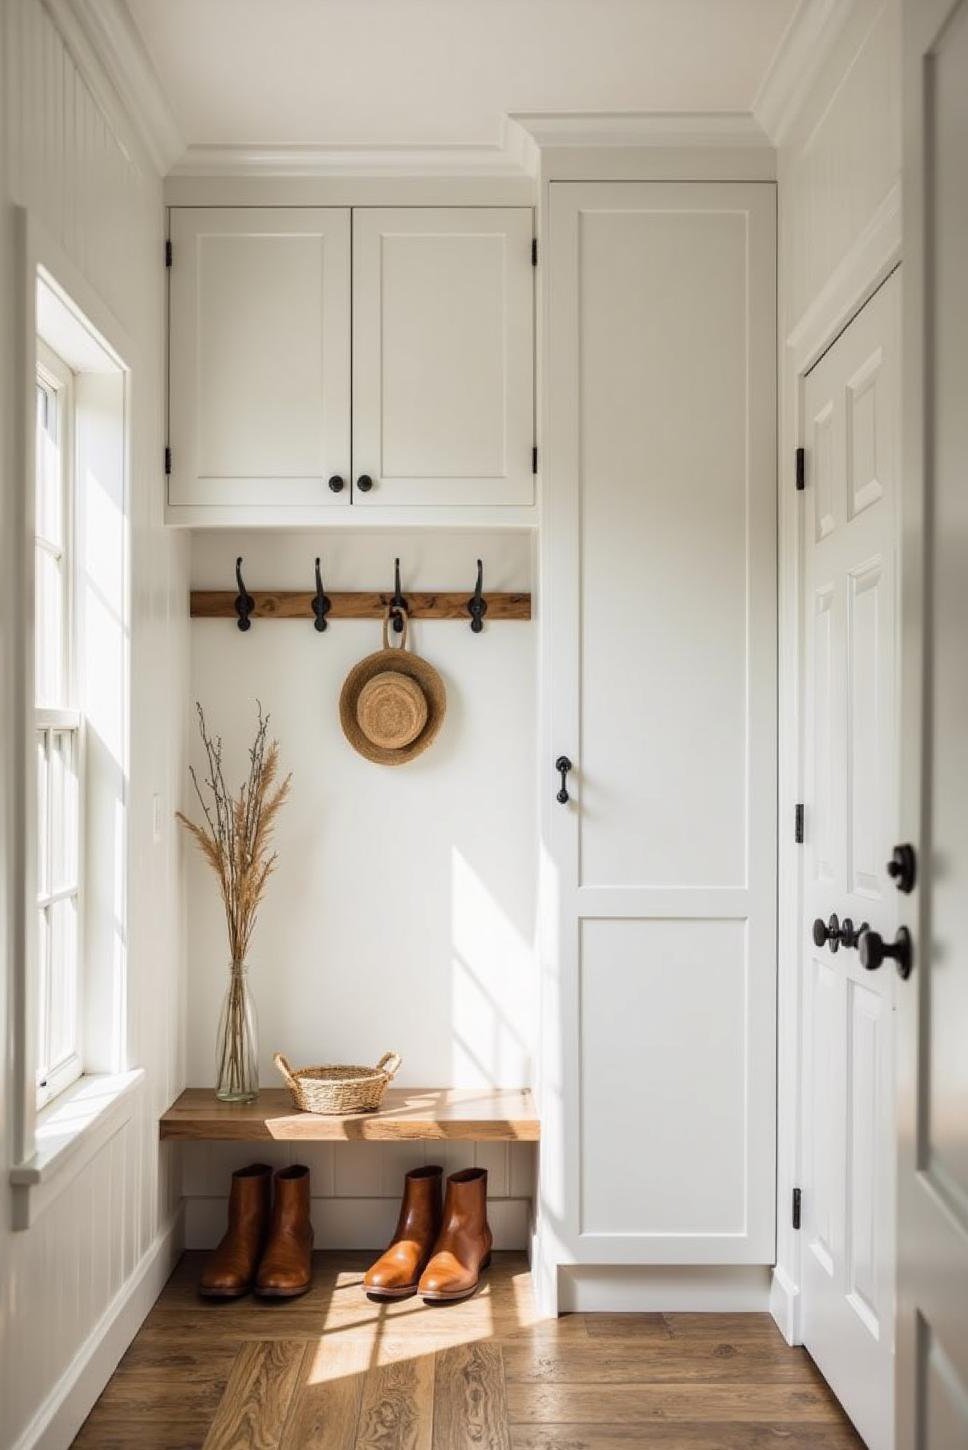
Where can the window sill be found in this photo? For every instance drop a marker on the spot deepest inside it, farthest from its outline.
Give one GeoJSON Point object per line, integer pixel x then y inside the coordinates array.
{"type": "Point", "coordinates": [69, 1132]}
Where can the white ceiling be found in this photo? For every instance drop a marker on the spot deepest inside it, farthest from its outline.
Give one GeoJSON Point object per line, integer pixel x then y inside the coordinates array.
{"type": "Point", "coordinates": [382, 73]}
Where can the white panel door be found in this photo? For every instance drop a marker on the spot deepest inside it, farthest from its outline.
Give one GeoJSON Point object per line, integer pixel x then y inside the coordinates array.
{"type": "Point", "coordinates": [932, 1381]}
{"type": "Point", "coordinates": [259, 393]}
{"type": "Point", "coordinates": [850, 431]}
{"type": "Point", "coordinates": [658, 1096]}
{"type": "Point", "coordinates": [443, 356]}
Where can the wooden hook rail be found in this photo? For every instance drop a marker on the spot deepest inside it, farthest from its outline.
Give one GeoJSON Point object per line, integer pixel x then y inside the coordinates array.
{"type": "Point", "coordinates": [298, 604]}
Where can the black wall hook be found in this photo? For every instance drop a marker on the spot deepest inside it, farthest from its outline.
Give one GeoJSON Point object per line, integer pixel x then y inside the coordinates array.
{"type": "Point", "coordinates": [244, 603]}
{"type": "Point", "coordinates": [477, 604]}
{"type": "Point", "coordinates": [397, 602]}
{"type": "Point", "coordinates": [321, 603]}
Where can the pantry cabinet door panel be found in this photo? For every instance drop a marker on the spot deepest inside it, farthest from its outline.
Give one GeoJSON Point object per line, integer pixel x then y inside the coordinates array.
{"type": "Point", "coordinates": [260, 357]}
{"type": "Point", "coordinates": [666, 1097]}
{"type": "Point", "coordinates": [443, 409]}
{"type": "Point", "coordinates": [672, 517]}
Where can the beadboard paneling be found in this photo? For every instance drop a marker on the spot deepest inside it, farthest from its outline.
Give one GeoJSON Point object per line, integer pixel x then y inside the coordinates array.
{"type": "Point", "coordinates": [97, 197]}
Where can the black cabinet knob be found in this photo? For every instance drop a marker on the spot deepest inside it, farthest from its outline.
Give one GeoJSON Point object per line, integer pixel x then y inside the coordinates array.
{"type": "Point", "coordinates": [336, 484]}
{"type": "Point", "coordinates": [874, 950]}
{"type": "Point", "coordinates": [364, 483]}
{"type": "Point", "coordinates": [902, 868]}
{"type": "Point", "coordinates": [562, 765]}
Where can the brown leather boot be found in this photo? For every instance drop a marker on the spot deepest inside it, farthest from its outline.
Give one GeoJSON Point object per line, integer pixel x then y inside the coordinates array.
{"type": "Point", "coordinates": [395, 1273]}
{"type": "Point", "coordinates": [463, 1246]}
{"type": "Point", "coordinates": [286, 1268]}
{"type": "Point", "coordinates": [230, 1269]}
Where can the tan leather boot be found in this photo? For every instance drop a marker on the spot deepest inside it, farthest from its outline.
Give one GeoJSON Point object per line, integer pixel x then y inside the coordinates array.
{"type": "Point", "coordinates": [286, 1268]}
{"type": "Point", "coordinates": [395, 1273]}
{"type": "Point", "coordinates": [463, 1246]}
{"type": "Point", "coordinates": [230, 1269]}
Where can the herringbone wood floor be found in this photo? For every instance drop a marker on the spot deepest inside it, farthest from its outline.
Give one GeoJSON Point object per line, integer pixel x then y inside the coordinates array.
{"type": "Point", "coordinates": [333, 1371]}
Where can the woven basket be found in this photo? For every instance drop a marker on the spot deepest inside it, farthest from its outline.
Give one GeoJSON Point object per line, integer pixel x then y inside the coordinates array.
{"type": "Point", "coordinates": [339, 1089]}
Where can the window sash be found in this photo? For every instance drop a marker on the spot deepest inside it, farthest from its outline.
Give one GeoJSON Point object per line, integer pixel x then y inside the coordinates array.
{"type": "Point", "coordinates": [59, 736]}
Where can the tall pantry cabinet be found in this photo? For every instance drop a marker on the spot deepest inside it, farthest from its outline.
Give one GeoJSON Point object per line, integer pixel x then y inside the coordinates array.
{"type": "Point", "coordinates": [659, 619]}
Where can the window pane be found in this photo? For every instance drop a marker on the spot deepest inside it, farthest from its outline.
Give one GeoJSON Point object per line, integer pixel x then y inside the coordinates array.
{"type": "Point", "coordinates": [49, 632]}
{"type": "Point", "coordinates": [49, 522]}
{"type": "Point", "coordinates": [64, 819]}
{"type": "Point", "coordinates": [43, 989]}
{"type": "Point", "coordinates": [63, 981]}
{"type": "Point", "coordinates": [43, 840]}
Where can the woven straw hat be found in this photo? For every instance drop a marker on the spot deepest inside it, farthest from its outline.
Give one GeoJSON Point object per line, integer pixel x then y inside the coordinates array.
{"type": "Point", "coordinates": [392, 703]}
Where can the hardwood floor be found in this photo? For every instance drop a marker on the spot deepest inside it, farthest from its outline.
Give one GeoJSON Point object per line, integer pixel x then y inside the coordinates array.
{"type": "Point", "coordinates": [334, 1371]}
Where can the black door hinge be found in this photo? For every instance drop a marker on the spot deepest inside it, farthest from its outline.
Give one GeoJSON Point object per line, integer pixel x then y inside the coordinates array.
{"type": "Point", "coordinates": [801, 472]}
{"type": "Point", "coordinates": [798, 823]}
{"type": "Point", "coordinates": [534, 251]}
{"type": "Point", "coordinates": [534, 459]}
{"type": "Point", "coordinates": [168, 460]}
{"type": "Point", "coordinates": [796, 1208]}
{"type": "Point", "coordinates": [168, 253]}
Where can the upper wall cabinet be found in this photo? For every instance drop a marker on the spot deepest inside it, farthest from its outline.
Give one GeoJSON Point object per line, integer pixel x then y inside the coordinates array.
{"type": "Point", "coordinates": [270, 421]}
{"type": "Point", "coordinates": [260, 358]}
{"type": "Point", "coordinates": [443, 356]}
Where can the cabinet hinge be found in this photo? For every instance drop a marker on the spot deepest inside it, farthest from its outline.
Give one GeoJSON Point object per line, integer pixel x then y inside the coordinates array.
{"type": "Point", "coordinates": [168, 253]}
{"type": "Point", "coordinates": [798, 823]}
{"type": "Point", "coordinates": [534, 251]}
{"type": "Point", "coordinates": [801, 470]}
{"type": "Point", "coordinates": [534, 459]}
{"type": "Point", "coordinates": [796, 1208]}
{"type": "Point", "coordinates": [168, 460]}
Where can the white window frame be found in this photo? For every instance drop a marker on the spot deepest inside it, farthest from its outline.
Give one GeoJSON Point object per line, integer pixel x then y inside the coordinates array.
{"type": "Point", "coordinates": [52, 1078]}
{"type": "Point", "coordinates": [48, 1147]}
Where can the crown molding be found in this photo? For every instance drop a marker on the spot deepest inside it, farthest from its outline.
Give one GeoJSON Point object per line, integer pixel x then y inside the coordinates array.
{"type": "Point", "coordinates": [344, 161]}
{"type": "Point", "coordinates": [110, 54]}
{"type": "Point", "coordinates": [639, 129]}
{"type": "Point", "coordinates": [804, 47]}
{"type": "Point", "coordinates": [523, 137]}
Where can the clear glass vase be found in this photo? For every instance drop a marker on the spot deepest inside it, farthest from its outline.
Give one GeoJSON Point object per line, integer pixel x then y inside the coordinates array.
{"type": "Point", "coordinates": [237, 1043]}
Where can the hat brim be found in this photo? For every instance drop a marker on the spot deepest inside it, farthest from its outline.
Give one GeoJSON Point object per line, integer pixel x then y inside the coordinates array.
{"type": "Point", "coordinates": [405, 663]}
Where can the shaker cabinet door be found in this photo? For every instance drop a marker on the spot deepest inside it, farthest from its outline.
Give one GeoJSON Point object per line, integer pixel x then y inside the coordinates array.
{"type": "Point", "coordinates": [659, 551]}
{"type": "Point", "coordinates": [260, 357]}
{"type": "Point", "coordinates": [443, 362]}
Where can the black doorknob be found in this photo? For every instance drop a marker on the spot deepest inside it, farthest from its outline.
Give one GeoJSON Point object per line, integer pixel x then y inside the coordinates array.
{"type": "Point", "coordinates": [827, 932]}
{"type": "Point", "coordinates": [836, 933]}
{"type": "Point", "coordinates": [850, 934]}
{"type": "Point", "coordinates": [874, 950]}
{"type": "Point", "coordinates": [902, 868]}
{"type": "Point", "coordinates": [336, 484]}
{"type": "Point", "coordinates": [364, 483]}
{"type": "Point", "coordinates": [562, 765]}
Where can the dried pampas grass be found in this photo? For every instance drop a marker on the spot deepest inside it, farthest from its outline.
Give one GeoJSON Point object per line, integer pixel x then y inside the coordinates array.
{"type": "Point", "coordinates": [237, 835]}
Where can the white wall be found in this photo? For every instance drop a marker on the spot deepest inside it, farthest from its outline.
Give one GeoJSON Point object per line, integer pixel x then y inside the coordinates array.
{"type": "Point", "coordinates": [402, 911]}
{"type": "Point", "coordinates": [69, 158]}
{"type": "Point", "coordinates": [838, 169]}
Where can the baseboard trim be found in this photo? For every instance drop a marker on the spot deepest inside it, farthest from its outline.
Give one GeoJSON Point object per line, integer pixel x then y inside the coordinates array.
{"type": "Point", "coordinates": [66, 1407]}
{"type": "Point", "coordinates": [658, 1288]}
{"type": "Point", "coordinates": [785, 1305]}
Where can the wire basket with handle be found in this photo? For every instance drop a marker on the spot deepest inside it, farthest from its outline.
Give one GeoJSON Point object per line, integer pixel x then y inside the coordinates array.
{"type": "Point", "coordinates": [339, 1089]}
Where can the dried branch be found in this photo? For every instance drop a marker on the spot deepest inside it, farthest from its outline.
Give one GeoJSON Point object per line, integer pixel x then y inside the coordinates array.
{"type": "Point", "coordinates": [236, 838]}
